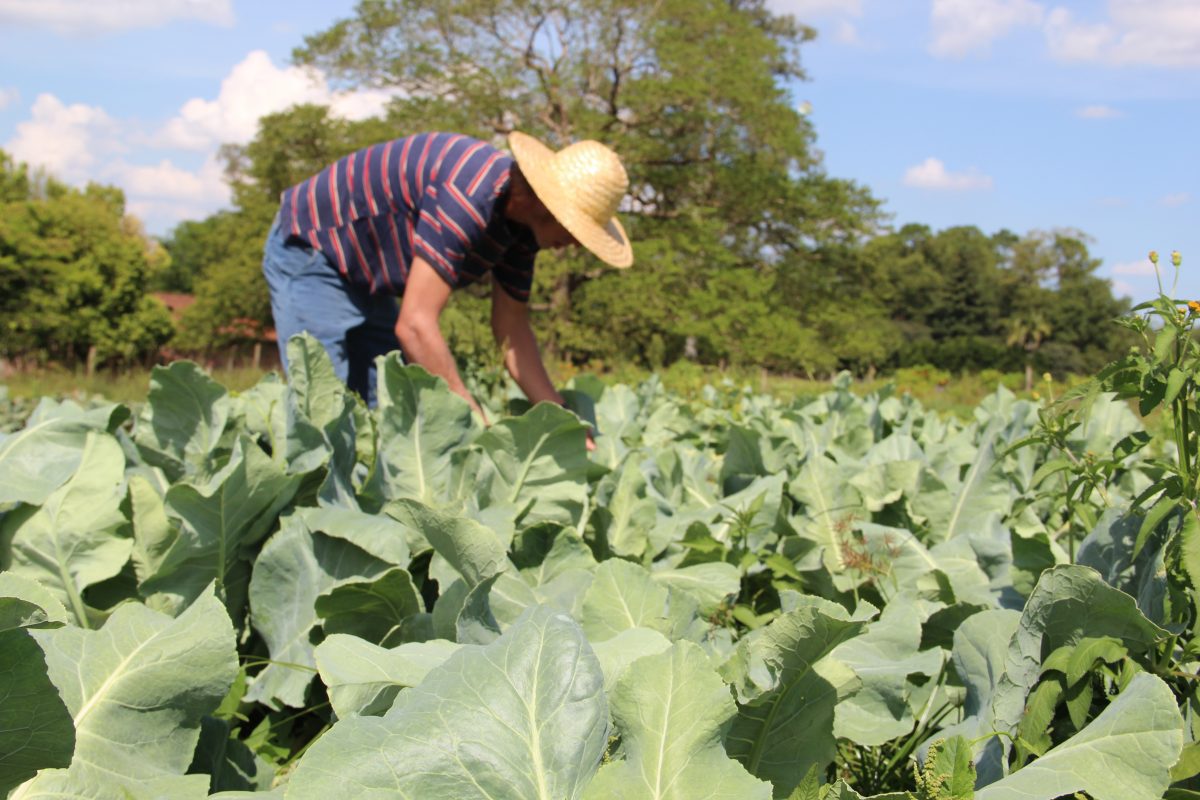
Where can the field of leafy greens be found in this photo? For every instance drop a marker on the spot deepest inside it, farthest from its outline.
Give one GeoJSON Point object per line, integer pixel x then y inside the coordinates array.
{"type": "Point", "coordinates": [281, 593]}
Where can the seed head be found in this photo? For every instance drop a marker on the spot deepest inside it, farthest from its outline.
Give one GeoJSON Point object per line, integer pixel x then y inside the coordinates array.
{"type": "Point", "coordinates": [1154, 257]}
{"type": "Point", "coordinates": [1047, 377]}
{"type": "Point", "coordinates": [1176, 259]}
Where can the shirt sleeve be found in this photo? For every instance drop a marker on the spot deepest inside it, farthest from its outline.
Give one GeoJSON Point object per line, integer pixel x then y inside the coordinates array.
{"type": "Point", "coordinates": [453, 218]}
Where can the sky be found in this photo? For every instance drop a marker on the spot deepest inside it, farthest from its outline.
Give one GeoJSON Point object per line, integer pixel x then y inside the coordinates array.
{"type": "Point", "coordinates": [1002, 114]}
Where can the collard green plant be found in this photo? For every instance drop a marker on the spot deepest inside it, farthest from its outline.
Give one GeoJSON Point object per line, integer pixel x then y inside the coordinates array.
{"type": "Point", "coordinates": [735, 596]}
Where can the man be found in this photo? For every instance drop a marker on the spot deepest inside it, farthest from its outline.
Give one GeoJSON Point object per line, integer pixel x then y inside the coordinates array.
{"type": "Point", "coordinates": [420, 216]}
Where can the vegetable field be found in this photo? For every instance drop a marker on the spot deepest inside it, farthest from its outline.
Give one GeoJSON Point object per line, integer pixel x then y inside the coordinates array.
{"type": "Point", "coordinates": [280, 593]}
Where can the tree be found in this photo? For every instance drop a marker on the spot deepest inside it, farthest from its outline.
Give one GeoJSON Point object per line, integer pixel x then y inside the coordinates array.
{"type": "Point", "coordinates": [73, 271]}
{"type": "Point", "coordinates": [689, 92]}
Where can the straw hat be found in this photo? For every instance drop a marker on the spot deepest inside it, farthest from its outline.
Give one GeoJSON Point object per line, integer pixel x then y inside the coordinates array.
{"type": "Point", "coordinates": [581, 185]}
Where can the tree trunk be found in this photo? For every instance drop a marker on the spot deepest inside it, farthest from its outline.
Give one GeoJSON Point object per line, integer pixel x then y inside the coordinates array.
{"type": "Point", "coordinates": [1029, 376]}
{"type": "Point", "coordinates": [91, 362]}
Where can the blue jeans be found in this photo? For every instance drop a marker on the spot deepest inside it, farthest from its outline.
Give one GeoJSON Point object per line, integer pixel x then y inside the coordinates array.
{"type": "Point", "coordinates": [309, 294]}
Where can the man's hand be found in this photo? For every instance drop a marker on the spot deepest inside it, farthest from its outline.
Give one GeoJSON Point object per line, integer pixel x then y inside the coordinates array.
{"type": "Point", "coordinates": [522, 358]}
{"type": "Point", "coordinates": [514, 334]}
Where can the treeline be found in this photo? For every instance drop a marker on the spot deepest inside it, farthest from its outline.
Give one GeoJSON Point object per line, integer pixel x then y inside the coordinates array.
{"type": "Point", "coordinates": [748, 253]}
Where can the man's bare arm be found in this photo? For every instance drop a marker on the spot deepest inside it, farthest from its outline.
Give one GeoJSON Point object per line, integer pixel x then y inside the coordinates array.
{"type": "Point", "coordinates": [522, 358]}
{"type": "Point", "coordinates": [417, 328]}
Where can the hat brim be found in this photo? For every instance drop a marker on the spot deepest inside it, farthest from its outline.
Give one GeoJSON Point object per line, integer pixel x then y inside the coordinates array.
{"type": "Point", "coordinates": [607, 242]}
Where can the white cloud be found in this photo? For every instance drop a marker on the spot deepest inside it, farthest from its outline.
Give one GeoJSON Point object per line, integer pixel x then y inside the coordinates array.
{"type": "Point", "coordinates": [1123, 288]}
{"type": "Point", "coordinates": [1098, 112]}
{"type": "Point", "coordinates": [1176, 200]}
{"type": "Point", "coordinates": [846, 33]}
{"type": "Point", "coordinates": [253, 88]}
{"type": "Point", "coordinates": [73, 17]}
{"type": "Point", "coordinates": [8, 96]}
{"type": "Point", "coordinates": [932, 174]}
{"type": "Point", "coordinates": [964, 27]}
{"type": "Point", "coordinates": [70, 141]}
{"type": "Point", "coordinates": [804, 9]}
{"type": "Point", "coordinates": [163, 194]}
{"type": "Point", "coordinates": [1163, 33]}
{"type": "Point", "coordinates": [1139, 269]}
{"type": "Point", "coordinates": [835, 12]}
{"type": "Point", "coordinates": [77, 143]}
{"type": "Point", "coordinates": [166, 181]}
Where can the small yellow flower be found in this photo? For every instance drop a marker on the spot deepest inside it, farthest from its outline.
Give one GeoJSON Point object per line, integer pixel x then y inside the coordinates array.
{"type": "Point", "coordinates": [1176, 259]}
{"type": "Point", "coordinates": [1047, 377]}
{"type": "Point", "coordinates": [1153, 256]}
{"type": "Point", "coordinates": [1036, 396]}
{"type": "Point", "coordinates": [1194, 306]}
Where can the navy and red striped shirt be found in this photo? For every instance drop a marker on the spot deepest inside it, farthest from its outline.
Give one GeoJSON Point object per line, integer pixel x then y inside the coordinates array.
{"type": "Point", "coordinates": [434, 195]}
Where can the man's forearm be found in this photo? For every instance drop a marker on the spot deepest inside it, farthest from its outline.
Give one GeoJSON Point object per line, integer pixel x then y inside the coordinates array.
{"type": "Point", "coordinates": [524, 362]}
{"type": "Point", "coordinates": [425, 345]}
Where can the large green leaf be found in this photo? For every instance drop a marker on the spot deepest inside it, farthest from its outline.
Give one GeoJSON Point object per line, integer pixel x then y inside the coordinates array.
{"type": "Point", "coordinates": [363, 678]}
{"type": "Point", "coordinates": [374, 609]}
{"type": "Point", "coordinates": [181, 425]}
{"type": "Point", "coordinates": [952, 505]}
{"type": "Point", "coordinates": [671, 710]}
{"type": "Point", "coordinates": [322, 421]}
{"type": "Point", "coordinates": [39, 458]}
{"type": "Point", "coordinates": [474, 551]}
{"type": "Point", "coordinates": [36, 731]}
{"type": "Point", "coordinates": [378, 534]}
{"type": "Point", "coordinates": [623, 595]}
{"type": "Point", "coordinates": [523, 717]}
{"type": "Point", "coordinates": [1070, 603]}
{"type": "Point", "coordinates": [883, 658]}
{"type": "Point", "coordinates": [899, 563]}
{"type": "Point", "coordinates": [136, 690]}
{"type": "Point", "coordinates": [625, 515]}
{"type": "Point", "coordinates": [75, 539]}
{"type": "Point", "coordinates": [262, 412]}
{"type": "Point", "coordinates": [891, 469]}
{"type": "Point", "coordinates": [710, 584]}
{"type": "Point", "coordinates": [25, 603]}
{"type": "Point", "coordinates": [421, 426]}
{"type": "Point", "coordinates": [980, 650]}
{"type": "Point", "coordinates": [89, 784]}
{"type": "Point", "coordinates": [319, 395]}
{"type": "Point", "coordinates": [294, 569]}
{"type": "Point", "coordinates": [830, 506]}
{"type": "Point", "coordinates": [538, 463]}
{"type": "Point", "coordinates": [785, 716]}
{"type": "Point", "coordinates": [214, 523]}
{"type": "Point", "coordinates": [619, 652]}
{"type": "Point", "coordinates": [1126, 753]}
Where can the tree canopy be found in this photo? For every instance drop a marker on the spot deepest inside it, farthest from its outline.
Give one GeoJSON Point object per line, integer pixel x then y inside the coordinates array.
{"type": "Point", "coordinates": [73, 272]}
{"type": "Point", "coordinates": [747, 251]}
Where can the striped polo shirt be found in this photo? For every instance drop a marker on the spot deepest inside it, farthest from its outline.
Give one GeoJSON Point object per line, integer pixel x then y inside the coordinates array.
{"type": "Point", "coordinates": [434, 195]}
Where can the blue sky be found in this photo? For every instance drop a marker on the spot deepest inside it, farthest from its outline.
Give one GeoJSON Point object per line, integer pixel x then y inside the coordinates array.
{"type": "Point", "coordinates": [1016, 114]}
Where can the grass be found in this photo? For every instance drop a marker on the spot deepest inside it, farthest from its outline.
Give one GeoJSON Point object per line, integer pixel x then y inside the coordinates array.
{"type": "Point", "coordinates": [124, 386]}
{"type": "Point", "coordinates": [935, 389]}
